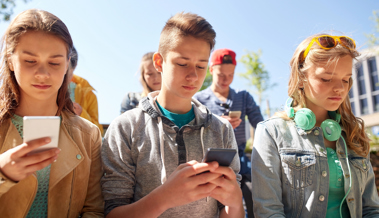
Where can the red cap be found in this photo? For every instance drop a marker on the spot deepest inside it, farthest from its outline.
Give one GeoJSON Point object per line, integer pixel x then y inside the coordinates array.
{"type": "Point", "coordinates": [223, 56]}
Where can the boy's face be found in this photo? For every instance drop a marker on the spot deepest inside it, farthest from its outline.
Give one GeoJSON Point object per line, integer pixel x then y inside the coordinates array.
{"type": "Point", "coordinates": [223, 75]}
{"type": "Point", "coordinates": [184, 67]}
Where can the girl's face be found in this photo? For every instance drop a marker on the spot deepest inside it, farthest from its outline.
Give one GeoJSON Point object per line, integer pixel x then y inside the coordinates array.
{"type": "Point", "coordinates": [328, 86]}
{"type": "Point", "coordinates": [151, 75]}
{"type": "Point", "coordinates": [39, 63]}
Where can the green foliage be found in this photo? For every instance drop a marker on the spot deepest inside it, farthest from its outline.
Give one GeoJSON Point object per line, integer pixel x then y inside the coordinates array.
{"type": "Point", "coordinates": [6, 9]}
{"type": "Point", "coordinates": [372, 39]}
{"type": "Point", "coordinates": [255, 74]}
{"type": "Point", "coordinates": [207, 81]}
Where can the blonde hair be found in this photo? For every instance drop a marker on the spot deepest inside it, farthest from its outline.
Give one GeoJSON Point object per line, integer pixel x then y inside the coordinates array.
{"type": "Point", "coordinates": [185, 24]}
{"type": "Point", "coordinates": [357, 139]}
{"type": "Point", "coordinates": [146, 57]}
{"type": "Point", "coordinates": [29, 20]}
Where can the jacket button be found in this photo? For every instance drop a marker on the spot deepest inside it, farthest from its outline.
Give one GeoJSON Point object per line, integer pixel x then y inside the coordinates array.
{"type": "Point", "coordinates": [321, 198]}
{"type": "Point", "coordinates": [350, 200]}
{"type": "Point", "coordinates": [322, 150]}
{"type": "Point", "coordinates": [324, 173]}
{"type": "Point", "coordinates": [316, 132]}
{"type": "Point", "coordinates": [347, 175]}
{"type": "Point", "coordinates": [78, 156]}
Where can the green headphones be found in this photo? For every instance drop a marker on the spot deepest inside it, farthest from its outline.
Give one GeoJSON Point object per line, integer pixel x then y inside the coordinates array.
{"type": "Point", "coordinates": [306, 120]}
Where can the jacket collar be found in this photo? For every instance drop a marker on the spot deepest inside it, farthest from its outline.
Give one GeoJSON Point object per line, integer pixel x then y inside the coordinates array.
{"type": "Point", "coordinates": [69, 157]}
{"type": "Point", "coordinates": [203, 116]}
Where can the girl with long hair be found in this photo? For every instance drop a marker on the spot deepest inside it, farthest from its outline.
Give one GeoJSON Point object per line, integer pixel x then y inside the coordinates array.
{"type": "Point", "coordinates": [60, 182]}
{"type": "Point", "coordinates": [150, 80]}
{"type": "Point", "coordinates": [312, 160]}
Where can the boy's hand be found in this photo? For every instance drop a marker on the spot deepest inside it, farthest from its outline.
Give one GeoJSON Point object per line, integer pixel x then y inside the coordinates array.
{"type": "Point", "coordinates": [17, 164]}
{"type": "Point", "coordinates": [188, 183]}
{"type": "Point", "coordinates": [227, 190]}
{"type": "Point", "coordinates": [234, 121]}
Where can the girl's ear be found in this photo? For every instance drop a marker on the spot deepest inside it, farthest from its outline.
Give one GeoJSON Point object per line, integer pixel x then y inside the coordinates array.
{"type": "Point", "coordinates": [10, 64]}
{"type": "Point", "coordinates": [158, 61]}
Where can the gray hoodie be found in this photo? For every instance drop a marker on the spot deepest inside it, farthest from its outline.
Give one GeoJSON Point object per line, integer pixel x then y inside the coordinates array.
{"type": "Point", "coordinates": [142, 148]}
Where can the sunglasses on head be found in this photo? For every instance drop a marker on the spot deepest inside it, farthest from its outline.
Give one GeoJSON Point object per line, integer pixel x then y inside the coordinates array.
{"type": "Point", "coordinates": [328, 42]}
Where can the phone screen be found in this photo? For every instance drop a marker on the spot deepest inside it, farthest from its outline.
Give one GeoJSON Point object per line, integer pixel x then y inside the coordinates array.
{"type": "Point", "coordinates": [36, 127]}
{"type": "Point", "coordinates": [224, 156]}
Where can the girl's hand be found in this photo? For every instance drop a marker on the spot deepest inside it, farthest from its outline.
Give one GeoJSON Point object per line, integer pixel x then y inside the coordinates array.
{"type": "Point", "coordinates": [16, 164]}
{"type": "Point", "coordinates": [78, 109]}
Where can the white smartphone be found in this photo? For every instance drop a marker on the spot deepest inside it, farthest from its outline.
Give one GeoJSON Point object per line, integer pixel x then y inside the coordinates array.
{"type": "Point", "coordinates": [36, 127]}
{"type": "Point", "coordinates": [234, 114]}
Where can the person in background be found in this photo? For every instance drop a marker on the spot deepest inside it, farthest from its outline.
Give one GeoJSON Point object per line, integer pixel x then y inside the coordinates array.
{"type": "Point", "coordinates": [152, 154]}
{"type": "Point", "coordinates": [150, 79]}
{"type": "Point", "coordinates": [220, 98]}
{"type": "Point", "coordinates": [312, 160]}
{"type": "Point", "coordinates": [63, 181]}
{"type": "Point", "coordinates": [82, 96]}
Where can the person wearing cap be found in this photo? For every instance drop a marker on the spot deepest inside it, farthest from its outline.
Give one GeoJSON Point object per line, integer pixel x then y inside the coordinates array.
{"type": "Point", "coordinates": [220, 98]}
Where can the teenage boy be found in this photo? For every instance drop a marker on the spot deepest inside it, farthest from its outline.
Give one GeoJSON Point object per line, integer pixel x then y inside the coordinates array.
{"type": "Point", "coordinates": [152, 154]}
{"type": "Point", "coordinates": [221, 99]}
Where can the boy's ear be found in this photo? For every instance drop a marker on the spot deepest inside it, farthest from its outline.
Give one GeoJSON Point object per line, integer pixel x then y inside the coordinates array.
{"type": "Point", "coordinates": [211, 69]}
{"type": "Point", "coordinates": [158, 61]}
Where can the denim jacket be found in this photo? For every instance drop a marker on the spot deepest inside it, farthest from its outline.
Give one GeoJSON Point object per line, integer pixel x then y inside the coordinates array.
{"type": "Point", "coordinates": [290, 173]}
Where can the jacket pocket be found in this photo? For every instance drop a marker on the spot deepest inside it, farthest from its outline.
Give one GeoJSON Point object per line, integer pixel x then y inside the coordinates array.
{"type": "Point", "coordinates": [298, 168]}
{"type": "Point", "coordinates": [360, 167]}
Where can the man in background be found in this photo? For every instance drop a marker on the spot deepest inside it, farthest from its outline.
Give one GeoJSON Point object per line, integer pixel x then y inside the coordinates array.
{"type": "Point", "coordinates": [224, 101]}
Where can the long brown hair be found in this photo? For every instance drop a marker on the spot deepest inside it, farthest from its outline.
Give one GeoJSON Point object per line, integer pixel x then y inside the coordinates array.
{"type": "Point", "coordinates": [357, 140]}
{"type": "Point", "coordinates": [146, 57]}
{"type": "Point", "coordinates": [29, 20]}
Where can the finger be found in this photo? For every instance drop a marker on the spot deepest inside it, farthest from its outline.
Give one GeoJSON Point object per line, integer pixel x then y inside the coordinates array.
{"type": "Point", "coordinates": [39, 157]}
{"type": "Point", "coordinates": [204, 190]}
{"type": "Point", "coordinates": [40, 165]}
{"type": "Point", "coordinates": [226, 171]}
{"type": "Point", "coordinates": [30, 146]}
{"type": "Point", "coordinates": [204, 178]}
{"type": "Point", "coordinates": [199, 168]}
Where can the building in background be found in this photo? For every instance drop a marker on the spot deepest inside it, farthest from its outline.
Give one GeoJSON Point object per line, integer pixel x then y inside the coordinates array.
{"type": "Point", "coordinates": [364, 95]}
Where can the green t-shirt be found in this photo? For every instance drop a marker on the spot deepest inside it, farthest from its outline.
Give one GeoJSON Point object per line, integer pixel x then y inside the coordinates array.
{"type": "Point", "coordinates": [179, 119]}
{"type": "Point", "coordinates": [39, 205]}
{"type": "Point", "coordinates": [336, 187]}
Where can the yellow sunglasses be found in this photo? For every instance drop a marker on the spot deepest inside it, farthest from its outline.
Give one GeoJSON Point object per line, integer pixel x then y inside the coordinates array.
{"type": "Point", "coordinates": [328, 42]}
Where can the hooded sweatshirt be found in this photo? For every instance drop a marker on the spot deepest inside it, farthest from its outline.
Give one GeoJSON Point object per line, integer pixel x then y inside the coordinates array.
{"type": "Point", "coordinates": [142, 148]}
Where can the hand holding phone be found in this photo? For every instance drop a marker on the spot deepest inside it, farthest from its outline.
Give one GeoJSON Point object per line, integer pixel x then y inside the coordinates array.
{"type": "Point", "coordinates": [17, 163]}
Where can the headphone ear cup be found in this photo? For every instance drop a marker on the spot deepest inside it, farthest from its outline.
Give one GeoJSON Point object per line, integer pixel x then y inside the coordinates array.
{"type": "Point", "coordinates": [331, 129]}
{"type": "Point", "coordinates": [305, 119]}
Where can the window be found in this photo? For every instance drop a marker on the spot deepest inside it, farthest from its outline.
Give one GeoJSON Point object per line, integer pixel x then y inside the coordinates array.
{"type": "Point", "coordinates": [364, 106]}
{"type": "Point", "coordinates": [375, 100]}
{"type": "Point", "coordinates": [373, 74]}
{"type": "Point", "coordinates": [353, 107]}
{"type": "Point", "coordinates": [361, 80]}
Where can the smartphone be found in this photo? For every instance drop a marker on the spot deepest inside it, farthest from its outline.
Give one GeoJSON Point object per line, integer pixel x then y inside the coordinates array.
{"type": "Point", "coordinates": [224, 156]}
{"type": "Point", "coordinates": [234, 114]}
{"type": "Point", "coordinates": [36, 127]}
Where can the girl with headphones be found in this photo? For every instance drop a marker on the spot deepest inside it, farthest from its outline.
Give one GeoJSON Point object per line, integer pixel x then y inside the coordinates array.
{"type": "Point", "coordinates": [312, 160]}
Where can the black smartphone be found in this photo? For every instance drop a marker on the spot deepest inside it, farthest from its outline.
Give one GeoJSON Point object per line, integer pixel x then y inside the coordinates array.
{"type": "Point", "coordinates": [224, 156]}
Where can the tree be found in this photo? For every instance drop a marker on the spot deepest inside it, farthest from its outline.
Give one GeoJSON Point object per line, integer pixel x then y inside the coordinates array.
{"type": "Point", "coordinates": [207, 81]}
{"type": "Point", "coordinates": [6, 9]}
{"type": "Point", "coordinates": [255, 74]}
{"type": "Point", "coordinates": [372, 39]}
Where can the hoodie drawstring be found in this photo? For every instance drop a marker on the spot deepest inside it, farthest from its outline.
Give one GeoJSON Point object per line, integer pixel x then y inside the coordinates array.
{"type": "Point", "coordinates": [161, 147]}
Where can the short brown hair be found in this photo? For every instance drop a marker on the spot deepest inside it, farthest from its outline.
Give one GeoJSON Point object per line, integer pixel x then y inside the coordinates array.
{"type": "Point", "coordinates": [185, 24]}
